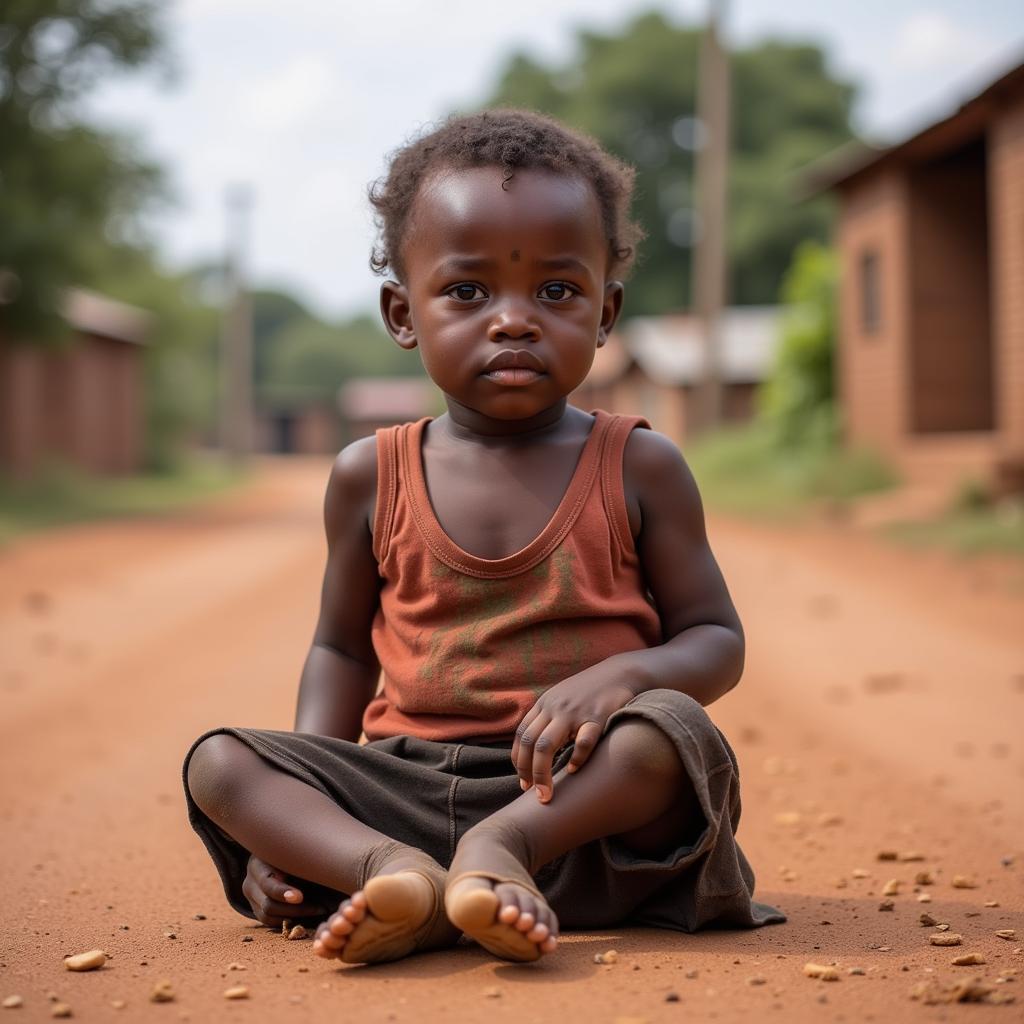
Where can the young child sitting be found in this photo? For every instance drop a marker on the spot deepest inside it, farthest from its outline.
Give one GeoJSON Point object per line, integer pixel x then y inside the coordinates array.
{"type": "Point", "coordinates": [535, 587]}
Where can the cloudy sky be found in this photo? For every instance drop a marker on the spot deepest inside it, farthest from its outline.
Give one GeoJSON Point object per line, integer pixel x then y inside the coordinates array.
{"type": "Point", "coordinates": [302, 100]}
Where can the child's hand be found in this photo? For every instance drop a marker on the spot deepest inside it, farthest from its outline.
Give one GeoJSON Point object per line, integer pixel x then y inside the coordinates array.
{"type": "Point", "coordinates": [576, 708]}
{"type": "Point", "coordinates": [273, 898]}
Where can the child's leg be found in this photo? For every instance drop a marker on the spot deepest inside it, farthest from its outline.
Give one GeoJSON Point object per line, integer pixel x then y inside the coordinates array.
{"type": "Point", "coordinates": [633, 786]}
{"type": "Point", "coordinates": [394, 906]}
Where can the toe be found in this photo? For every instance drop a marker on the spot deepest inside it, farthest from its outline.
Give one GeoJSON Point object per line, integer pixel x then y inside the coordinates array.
{"type": "Point", "coordinates": [338, 926]}
{"type": "Point", "coordinates": [353, 912]}
{"type": "Point", "coordinates": [538, 933]}
{"type": "Point", "coordinates": [549, 945]}
{"type": "Point", "coordinates": [526, 922]}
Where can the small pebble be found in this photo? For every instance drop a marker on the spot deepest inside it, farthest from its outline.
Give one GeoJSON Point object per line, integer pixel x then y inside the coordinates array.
{"type": "Point", "coordinates": [887, 905]}
{"type": "Point", "coordinates": [886, 855]}
{"type": "Point", "coordinates": [492, 993]}
{"type": "Point", "coordinates": [757, 979]}
{"type": "Point", "coordinates": [247, 938]}
{"type": "Point", "coordinates": [821, 971]}
{"type": "Point", "coordinates": [924, 878]}
{"type": "Point", "coordinates": [163, 992]}
{"type": "Point", "coordinates": [924, 897]}
{"type": "Point", "coordinates": [891, 888]}
{"type": "Point", "coordinates": [927, 921]}
{"type": "Point", "coordinates": [90, 961]}
{"type": "Point", "coordinates": [1007, 933]}
{"type": "Point", "coordinates": [170, 935]}
{"type": "Point", "coordinates": [198, 917]}
{"type": "Point", "coordinates": [963, 882]}
{"type": "Point", "coordinates": [855, 970]}
{"type": "Point", "coordinates": [968, 960]}
{"type": "Point", "coordinates": [298, 932]}
{"type": "Point", "coordinates": [907, 856]}
{"type": "Point", "coordinates": [237, 992]}
{"type": "Point", "coordinates": [236, 966]}
{"type": "Point", "coordinates": [12, 1002]}
{"type": "Point", "coordinates": [118, 1004]}
{"type": "Point", "coordinates": [991, 903]}
{"type": "Point", "coordinates": [690, 974]}
{"type": "Point", "coordinates": [60, 1010]}
{"type": "Point", "coordinates": [946, 939]}
{"type": "Point", "coordinates": [606, 958]}
{"type": "Point", "coordinates": [671, 997]}
{"type": "Point", "coordinates": [860, 873]}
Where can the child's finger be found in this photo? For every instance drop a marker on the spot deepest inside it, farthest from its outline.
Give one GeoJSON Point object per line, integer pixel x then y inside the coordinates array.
{"type": "Point", "coordinates": [527, 739]}
{"type": "Point", "coordinates": [587, 737]}
{"type": "Point", "coordinates": [549, 741]}
{"type": "Point", "coordinates": [277, 887]}
{"type": "Point", "coordinates": [524, 726]}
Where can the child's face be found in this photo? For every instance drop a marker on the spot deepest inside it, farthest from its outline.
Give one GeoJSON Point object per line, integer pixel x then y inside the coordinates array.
{"type": "Point", "coordinates": [505, 291]}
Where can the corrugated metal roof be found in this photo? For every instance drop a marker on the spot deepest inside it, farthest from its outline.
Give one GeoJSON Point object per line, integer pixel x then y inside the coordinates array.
{"type": "Point", "coordinates": [671, 349]}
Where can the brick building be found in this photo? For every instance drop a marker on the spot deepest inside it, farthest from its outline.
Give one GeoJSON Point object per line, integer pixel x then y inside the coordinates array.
{"type": "Point", "coordinates": [931, 314]}
{"type": "Point", "coordinates": [80, 404]}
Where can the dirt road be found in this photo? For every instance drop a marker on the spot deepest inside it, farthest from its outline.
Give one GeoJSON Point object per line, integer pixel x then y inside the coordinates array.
{"type": "Point", "coordinates": [881, 711]}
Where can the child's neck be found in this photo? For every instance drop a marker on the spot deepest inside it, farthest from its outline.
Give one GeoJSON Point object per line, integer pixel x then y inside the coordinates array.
{"type": "Point", "coordinates": [467, 424]}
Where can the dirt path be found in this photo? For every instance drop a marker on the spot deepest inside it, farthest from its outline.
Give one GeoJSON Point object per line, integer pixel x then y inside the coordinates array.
{"type": "Point", "coordinates": [881, 710]}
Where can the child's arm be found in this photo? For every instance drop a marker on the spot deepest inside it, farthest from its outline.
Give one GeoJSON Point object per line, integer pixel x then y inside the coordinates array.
{"type": "Point", "coordinates": [703, 647]}
{"type": "Point", "coordinates": [341, 671]}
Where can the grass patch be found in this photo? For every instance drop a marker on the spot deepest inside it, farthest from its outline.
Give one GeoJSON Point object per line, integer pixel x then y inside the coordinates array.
{"type": "Point", "coordinates": [743, 471]}
{"type": "Point", "coordinates": [997, 528]}
{"type": "Point", "coordinates": [60, 494]}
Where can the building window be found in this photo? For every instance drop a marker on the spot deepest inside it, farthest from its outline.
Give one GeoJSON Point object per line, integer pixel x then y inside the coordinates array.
{"type": "Point", "coordinates": [870, 293]}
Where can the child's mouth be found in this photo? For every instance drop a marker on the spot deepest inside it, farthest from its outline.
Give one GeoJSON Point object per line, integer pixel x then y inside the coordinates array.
{"type": "Point", "coordinates": [513, 376]}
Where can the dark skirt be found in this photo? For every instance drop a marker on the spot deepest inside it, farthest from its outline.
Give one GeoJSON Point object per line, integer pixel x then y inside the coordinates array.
{"type": "Point", "coordinates": [428, 794]}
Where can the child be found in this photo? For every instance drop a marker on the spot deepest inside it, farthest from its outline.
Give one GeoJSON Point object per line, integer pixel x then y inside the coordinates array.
{"type": "Point", "coordinates": [534, 582]}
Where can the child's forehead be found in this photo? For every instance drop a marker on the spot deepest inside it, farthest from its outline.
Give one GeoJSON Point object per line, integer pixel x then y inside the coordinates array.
{"type": "Point", "coordinates": [529, 208]}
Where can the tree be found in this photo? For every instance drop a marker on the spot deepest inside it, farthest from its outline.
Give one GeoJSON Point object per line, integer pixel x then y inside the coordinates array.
{"type": "Point", "coordinates": [66, 188]}
{"type": "Point", "coordinates": [634, 92]}
{"type": "Point", "coordinates": [798, 399]}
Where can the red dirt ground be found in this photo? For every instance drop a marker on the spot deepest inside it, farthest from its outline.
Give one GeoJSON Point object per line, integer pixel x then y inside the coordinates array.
{"type": "Point", "coordinates": [881, 709]}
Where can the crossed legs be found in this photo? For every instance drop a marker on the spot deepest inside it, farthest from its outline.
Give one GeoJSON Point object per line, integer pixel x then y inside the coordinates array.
{"type": "Point", "coordinates": [633, 787]}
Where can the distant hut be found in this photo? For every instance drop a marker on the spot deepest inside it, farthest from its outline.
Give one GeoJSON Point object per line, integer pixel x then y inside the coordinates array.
{"type": "Point", "coordinates": [369, 403]}
{"type": "Point", "coordinates": [81, 404]}
{"type": "Point", "coordinates": [931, 313]}
{"type": "Point", "coordinates": [654, 366]}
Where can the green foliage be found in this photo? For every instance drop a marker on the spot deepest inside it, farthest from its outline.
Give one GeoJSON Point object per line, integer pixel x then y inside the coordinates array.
{"type": "Point", "coordinates": [798, 399]}
{"type": "Point", "coordinates": [307, 360]}
{"type": "Point", "coordinates": [66, 188]}
{"type": "Point", "coordinates": [60, 494]}
{"type": "Point", "coordinates": [745, 471]}
{"type": "Point", "coordinates": [630, 89]}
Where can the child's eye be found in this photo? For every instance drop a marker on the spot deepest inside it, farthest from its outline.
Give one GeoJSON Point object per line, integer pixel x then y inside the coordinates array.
{"type": "Point", "coordinates": [467, 292]}
{"type": "Point", "coordinates": [557, 291]}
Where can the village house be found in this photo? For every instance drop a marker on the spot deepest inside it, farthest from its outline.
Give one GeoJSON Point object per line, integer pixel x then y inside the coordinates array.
{"type": "Point", "coordinates": [930, 236]}
{"type": "Point", "coordinates": [79, 404]}
{"type": "Point", "coordinates": [653, 366]}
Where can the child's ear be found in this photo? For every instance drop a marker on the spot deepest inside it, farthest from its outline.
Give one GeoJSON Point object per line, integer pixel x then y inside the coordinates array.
{"type": "Point", "coordinates": [610, 310]}
{"type": "Point", "coordinates": [397, 313]}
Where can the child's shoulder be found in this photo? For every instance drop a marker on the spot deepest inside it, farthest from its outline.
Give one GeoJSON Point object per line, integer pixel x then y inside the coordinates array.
{"type": "Point", "coordinates": [656, 476]}
{"type": "Point", "coordinates": [352, 487]}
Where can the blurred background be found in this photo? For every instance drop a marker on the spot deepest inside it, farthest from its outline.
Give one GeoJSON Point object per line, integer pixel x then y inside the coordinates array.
{"type": "Point", "coordinates": [829, 303]}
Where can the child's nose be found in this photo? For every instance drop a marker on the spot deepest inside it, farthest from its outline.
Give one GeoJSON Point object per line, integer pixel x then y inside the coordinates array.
{"type": "Point", "coordinates": [513, 322]}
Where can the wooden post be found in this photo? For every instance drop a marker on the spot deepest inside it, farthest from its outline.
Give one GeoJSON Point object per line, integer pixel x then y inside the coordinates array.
{"type": "Point", "coordinates": [709, 265]}
{"type": "Point", "coordinates": [236, 333]}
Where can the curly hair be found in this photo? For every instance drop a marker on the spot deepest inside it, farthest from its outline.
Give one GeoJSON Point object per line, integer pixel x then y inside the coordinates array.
{"type": "Point", "coordinates": [511, 140]}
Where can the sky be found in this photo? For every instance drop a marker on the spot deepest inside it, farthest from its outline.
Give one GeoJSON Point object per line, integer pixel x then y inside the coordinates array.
{"type": "Point", "coordinates": [301, 101]}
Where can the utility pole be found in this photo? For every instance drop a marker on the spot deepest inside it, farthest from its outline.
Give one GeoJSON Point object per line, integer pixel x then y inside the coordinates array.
{"type": "Point", "coordinates": [236, 331]}
{"type": "Point", "coordinates": [709, 264]}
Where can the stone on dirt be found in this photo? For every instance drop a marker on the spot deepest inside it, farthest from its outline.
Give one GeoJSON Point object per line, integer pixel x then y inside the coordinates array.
{"type": "Point", "coordinates": [297, 932]}
{"type": "Point", "coordinates": [90, 961]}
{"type": "Point", "coordinates": [61, 1010]}
{"type": "Point", "coordinates": [963, 882]}
{"type": "Point", "coordinates": [946, 939]}
{"type": "Point", "coordinates": [968, 960]}
{"type": "Point", "coordinates": [891, 888]}
{"type": "Point", "coordinates": [824, 972]}
{"type": "Point", "coordinates": [237, 992]}
{"type": "Point", "coordinates": [610, 957]}
{"type": "Point", "coordinates": [163, 992]}
{"type": "Point", "coordinates": [12, 1002]}
{"type": "Point", "coordinates": [1007, 933]}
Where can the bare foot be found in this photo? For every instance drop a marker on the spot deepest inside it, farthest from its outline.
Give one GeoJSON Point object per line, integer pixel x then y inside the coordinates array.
{"type": "Point", "coordinates": [399, 911]}
{"type": "Point", "coordinates": [491, 897]}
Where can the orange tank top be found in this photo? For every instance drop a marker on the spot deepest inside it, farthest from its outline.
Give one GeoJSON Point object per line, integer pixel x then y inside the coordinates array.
{"type": "Point", "coordinates": [468, 644]}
